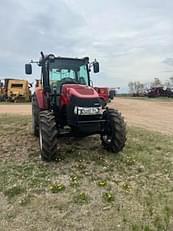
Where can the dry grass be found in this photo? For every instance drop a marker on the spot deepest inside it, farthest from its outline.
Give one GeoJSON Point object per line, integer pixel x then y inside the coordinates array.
{"type": "Point", "coordinates": [87, 188]}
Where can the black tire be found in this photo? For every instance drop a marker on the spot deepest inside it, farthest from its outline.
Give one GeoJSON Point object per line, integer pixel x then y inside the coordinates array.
{"type": "Point", "coordinates": [111, 95]}
{"type": "Point", "coordinates": [48, 136]}
{"type": "Point", "coordinates": [113, 136]}
{"type": "Point", "coordinates": [35, 117]}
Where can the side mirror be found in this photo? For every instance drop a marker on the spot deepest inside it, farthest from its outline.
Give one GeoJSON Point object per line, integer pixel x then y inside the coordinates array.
{"type": "Point", "coordinates": [28, 69]}
{"type": "Point", "coordinates": [96, 66]}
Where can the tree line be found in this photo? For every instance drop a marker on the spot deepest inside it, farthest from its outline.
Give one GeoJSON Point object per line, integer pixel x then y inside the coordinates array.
{"type": "Point", "coordinates": [139, 88]}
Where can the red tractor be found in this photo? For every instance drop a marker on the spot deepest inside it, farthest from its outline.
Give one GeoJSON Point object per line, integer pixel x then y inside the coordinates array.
{"type": "Point", "coordinates": [66, 104]}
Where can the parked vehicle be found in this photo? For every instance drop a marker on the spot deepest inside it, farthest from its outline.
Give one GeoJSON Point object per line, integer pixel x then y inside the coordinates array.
{"type": "Point", "coordinates": [15, 90]}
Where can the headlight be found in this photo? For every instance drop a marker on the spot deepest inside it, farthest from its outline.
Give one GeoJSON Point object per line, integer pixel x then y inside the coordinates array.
{"type": "Point", "coordinates": [88, 110]}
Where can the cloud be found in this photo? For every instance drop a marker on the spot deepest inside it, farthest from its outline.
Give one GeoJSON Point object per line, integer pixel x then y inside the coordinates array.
{"type": "Point", "coordinates": [130, 39]}
{"type": "Point", "coordinates": [168, 61]}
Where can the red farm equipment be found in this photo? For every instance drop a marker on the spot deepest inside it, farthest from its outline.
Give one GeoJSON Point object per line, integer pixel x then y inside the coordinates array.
{"type": "Point", "coordinates": [66, 104]}
{"type": "Point", "coordinates": [158, 92]}
{"type": "Point", "coordinates": [103, 93]}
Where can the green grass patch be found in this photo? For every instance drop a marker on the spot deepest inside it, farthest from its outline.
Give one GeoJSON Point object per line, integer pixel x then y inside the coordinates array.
{"type": "Point", "coordinates": [55, 188]}
{"type": "Point", "coordinates": [81, 198]}
{"type": "Point", "coordinates": [13, 191]}
{"type": "Point", "coordinates": [108, 197]}
{"type": "Point", "coordinates": [129, 191]}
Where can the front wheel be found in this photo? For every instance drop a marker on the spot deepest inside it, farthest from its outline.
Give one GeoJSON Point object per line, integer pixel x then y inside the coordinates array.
{"type": "Point", "coordinates": [47, 136]}
{"type": "Point", "coordinates": [113, 136]}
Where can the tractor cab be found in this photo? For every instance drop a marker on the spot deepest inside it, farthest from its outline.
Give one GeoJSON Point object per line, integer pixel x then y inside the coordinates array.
{"type": "Point", "coordinates": [58, 72]}
{"type": "Point", "coordinates": [68, 71]}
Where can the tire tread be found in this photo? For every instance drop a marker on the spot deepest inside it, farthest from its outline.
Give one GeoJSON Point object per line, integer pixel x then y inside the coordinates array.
{"type": "Point", "coordinates": [49, 136]}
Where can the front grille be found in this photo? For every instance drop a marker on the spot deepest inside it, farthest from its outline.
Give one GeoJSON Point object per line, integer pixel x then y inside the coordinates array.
{"type": "Point", "coordinates": [80, 102]}
{"type": "Point", "coordinates": [89, 117]}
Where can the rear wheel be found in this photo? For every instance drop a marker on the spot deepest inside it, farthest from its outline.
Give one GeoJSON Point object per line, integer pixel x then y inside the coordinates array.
{"type": "Point", "coordinates": [47, 136]}
{"type": "Point", "coordinates": [113, 136]}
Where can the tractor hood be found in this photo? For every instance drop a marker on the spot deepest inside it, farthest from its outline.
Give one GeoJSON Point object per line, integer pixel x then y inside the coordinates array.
{"type": "Point", "coordinates": [78, 90]}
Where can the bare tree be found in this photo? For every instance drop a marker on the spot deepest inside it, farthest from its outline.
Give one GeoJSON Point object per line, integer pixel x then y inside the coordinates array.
{"type": "Point", "coordinates": [136, 88]}
{"type": "Point", "coordinates": [156, 83]}
{"type": "Point", "coordinates": [131, 87]}
{"type": "Point", "coordinates": [167, 84]}
{"type": "Point", "coordinates": [171, 81]}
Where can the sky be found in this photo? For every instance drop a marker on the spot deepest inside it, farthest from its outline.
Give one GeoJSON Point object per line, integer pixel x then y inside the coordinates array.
{"type": "Point", "coordinates": [132, 40]}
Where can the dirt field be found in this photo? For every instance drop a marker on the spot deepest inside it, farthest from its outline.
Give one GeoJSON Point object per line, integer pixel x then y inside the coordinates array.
{"type": "Point", "coordinates": [22, 109]}
{"type": "Point", "coordinates": [153, 115]}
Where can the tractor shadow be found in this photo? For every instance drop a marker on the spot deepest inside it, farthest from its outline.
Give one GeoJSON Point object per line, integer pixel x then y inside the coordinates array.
{"type": "Point", "coordinates": [88, 149]}
{"type": "Point", "coordinates": [77, 147]}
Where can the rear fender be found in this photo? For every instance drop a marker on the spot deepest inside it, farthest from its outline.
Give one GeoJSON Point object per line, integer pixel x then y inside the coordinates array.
{"type": "Point", "coordinates": [41, 99]}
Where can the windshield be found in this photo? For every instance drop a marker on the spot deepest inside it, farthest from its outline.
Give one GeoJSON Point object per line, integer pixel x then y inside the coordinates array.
{"type": "Point", "coordinates": [62, 71]}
